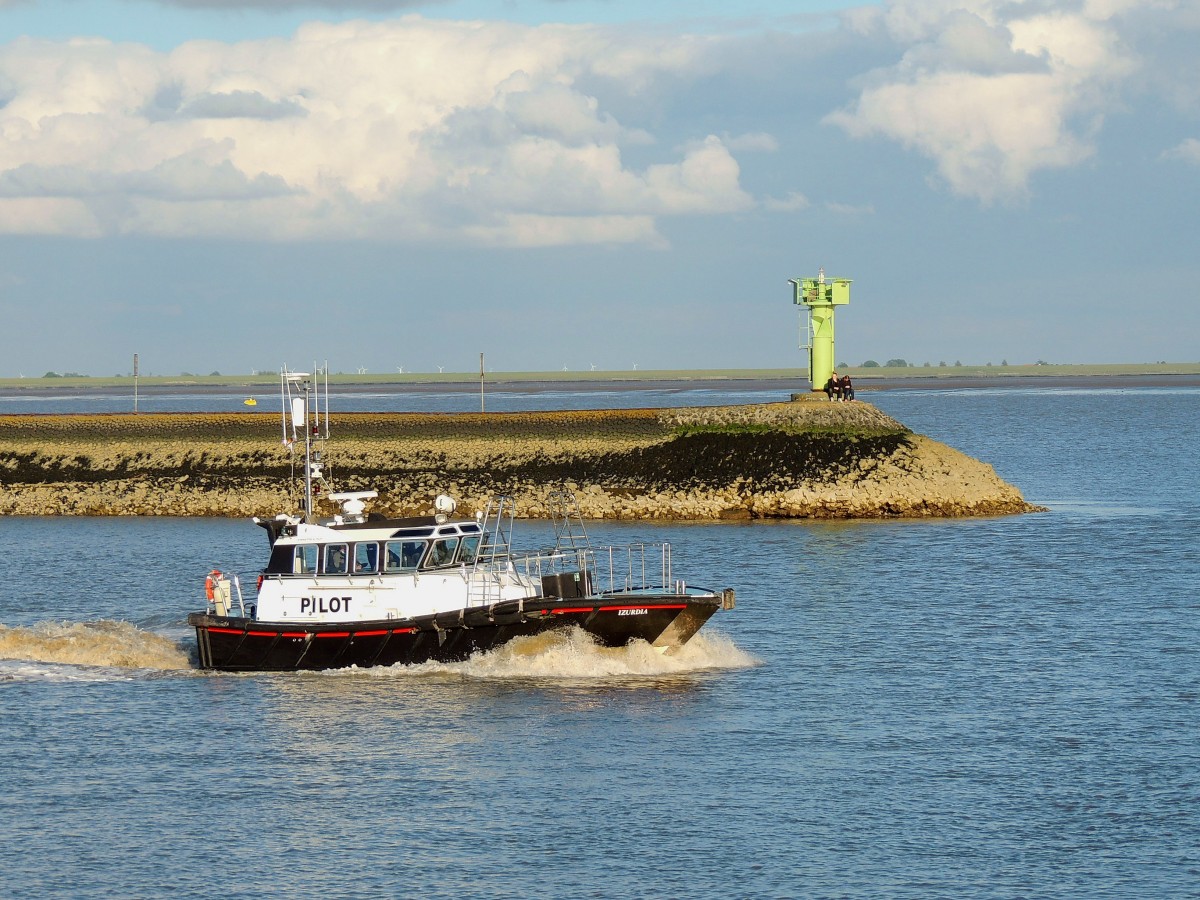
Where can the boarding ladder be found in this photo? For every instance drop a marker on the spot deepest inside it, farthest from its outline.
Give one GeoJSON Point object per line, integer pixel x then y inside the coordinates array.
{"type": "Point", "coordinates": [572, 551]}
{"type": "Point", "coordinates": [492, 567]}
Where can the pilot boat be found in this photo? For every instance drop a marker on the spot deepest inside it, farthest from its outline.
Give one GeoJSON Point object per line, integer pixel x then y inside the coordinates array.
{"type": "Point", "coordinates": [355, 588]}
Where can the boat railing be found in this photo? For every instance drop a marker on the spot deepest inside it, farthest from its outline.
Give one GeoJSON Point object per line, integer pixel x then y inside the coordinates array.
{"type": "Point", "coordinates": [601, 570]}
{"type": "Point", "coordinates": [226, 588]}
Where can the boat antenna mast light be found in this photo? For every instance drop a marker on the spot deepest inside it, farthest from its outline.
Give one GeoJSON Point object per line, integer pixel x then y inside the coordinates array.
{"type": "Point", "coordinates": [303, 421]}
{"type": "Point", "coordinates": [820, 296]}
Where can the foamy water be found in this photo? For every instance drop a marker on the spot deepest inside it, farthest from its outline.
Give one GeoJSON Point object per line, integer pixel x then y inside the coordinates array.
{"type": "Point", "coordinates": [75, 651]}
{"type": "Point", "coordinates": [573, 654]}
{"type": "Point", "coordinates": [107, 643]}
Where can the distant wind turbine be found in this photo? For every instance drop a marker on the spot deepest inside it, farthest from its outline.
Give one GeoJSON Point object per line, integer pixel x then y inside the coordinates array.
{"type": "Point", "coordinates": [441, 369]}
{"type": "Point", "coordinates": [593, 367]}
{"type": "Point", "coordinates": [399, 370]}
{"type": "Point", "coordinates": [362, 370]}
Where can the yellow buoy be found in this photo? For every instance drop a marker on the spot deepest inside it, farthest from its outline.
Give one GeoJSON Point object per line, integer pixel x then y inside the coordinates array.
{"type": "Point", "coordinates": [250, 401]}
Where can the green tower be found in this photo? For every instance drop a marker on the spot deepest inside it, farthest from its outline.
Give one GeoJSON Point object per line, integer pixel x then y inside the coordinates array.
{"type": "Point", "coordinates": [820, 297]}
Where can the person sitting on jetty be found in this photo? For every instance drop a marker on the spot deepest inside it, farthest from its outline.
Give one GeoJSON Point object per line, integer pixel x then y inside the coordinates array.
{"type": "Point", "coordinates": [847, 388]}
{"type": "Point", "coordinates": [833, 387]}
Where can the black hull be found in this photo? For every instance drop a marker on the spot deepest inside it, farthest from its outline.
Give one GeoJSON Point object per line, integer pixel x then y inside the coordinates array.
{"type": "Point", "coordinates": [245, 645]}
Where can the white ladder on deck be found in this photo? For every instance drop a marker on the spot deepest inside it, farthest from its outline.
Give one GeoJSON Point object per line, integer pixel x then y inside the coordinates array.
{"type": "Point", "coordinates": [489, 572]}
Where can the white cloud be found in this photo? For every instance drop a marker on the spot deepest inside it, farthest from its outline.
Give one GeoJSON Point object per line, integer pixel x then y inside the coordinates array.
{"type": "Point", "coordinates": [705, 181]}
{"type": "Point", "coordinates": [398, 130]}
{"type": "Point", "coordinates": [789, 203]}
{"type": "Point", "coordinates": [1188, 151]}
{"type": "Point", "coordinates": [993, 92]}
{"type": "Point", "coordinates": [239, 105]}
{"type": "Point", "coordinates": [182, 178]}
{"type": "Point", "coordinates": [553, 231]}
{"type": "Point", "coordinates": [849, 209]}
{"type": "Point", "coordinates": [757, 141]}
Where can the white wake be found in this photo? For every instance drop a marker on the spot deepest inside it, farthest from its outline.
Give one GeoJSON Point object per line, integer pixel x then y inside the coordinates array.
{"type": "Point", "coordinates": [107, 644]}
{"type": "Point", "coordinates": [574, 654]}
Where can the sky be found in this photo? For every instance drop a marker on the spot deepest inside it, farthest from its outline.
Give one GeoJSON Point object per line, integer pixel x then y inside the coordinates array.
{"type": "Point", "coordinates": [238, 185]}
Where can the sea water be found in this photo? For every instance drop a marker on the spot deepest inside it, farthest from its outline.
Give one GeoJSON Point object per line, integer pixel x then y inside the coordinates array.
{"type": "Point", "coordinates": [1001, 707]}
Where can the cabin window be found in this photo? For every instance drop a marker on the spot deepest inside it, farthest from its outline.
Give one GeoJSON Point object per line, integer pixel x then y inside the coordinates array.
{"type": "Point", "coordinates": [470, 549]}
{"type": "Point", "coordinates": [441, 553]}
{"type": "Point", "coordinates": [365, 556]}
{"type": "Point", "coordinates": [335, 559]}
{"type": "Point", "coordinates": [282, 560]}
{"type": "Point", "coordinates": [304, 560]}
{"type": "Point", "coordinates": [402, 556]}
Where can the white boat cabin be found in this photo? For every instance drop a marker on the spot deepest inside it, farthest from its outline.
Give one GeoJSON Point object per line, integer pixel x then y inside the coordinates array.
{"type": "Point", "coordinates": [385, 570]}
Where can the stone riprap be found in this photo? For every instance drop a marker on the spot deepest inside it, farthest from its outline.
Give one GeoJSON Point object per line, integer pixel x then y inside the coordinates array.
{"type": "Point", "coordinates": [803, 459]}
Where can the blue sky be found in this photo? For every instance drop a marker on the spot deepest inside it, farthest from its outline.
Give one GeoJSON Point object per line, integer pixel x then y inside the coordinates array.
{"type": "Point", "coordinates": [225, 186]}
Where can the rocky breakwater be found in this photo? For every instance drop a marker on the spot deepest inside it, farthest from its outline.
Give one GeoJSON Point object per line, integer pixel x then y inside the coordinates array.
{"type": "Point", "coordinates": [803, 459]}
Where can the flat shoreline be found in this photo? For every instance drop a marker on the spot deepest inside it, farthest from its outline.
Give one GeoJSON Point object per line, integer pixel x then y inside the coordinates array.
{"type": "Point", "coordinates": [785, 385]}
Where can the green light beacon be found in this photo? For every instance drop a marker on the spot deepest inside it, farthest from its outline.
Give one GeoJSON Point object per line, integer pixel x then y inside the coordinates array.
{"type": "Point", "coordinates": [820, 297]}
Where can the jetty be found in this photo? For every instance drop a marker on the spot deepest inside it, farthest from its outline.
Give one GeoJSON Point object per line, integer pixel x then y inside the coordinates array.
{"type": "Point", "coordinates": [801, 459]}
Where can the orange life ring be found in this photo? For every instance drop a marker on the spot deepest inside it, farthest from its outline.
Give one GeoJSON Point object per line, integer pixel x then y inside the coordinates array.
{"type": "Point", "coordinates": [210, 583]}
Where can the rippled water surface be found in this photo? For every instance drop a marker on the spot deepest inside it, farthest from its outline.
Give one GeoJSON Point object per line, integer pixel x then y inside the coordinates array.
{"type": "Point", "coordinates": [983, 708]}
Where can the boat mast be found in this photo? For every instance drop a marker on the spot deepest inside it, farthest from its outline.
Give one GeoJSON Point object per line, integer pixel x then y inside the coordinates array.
{"type": "Point", "coordinates": [306, 415]}
{"type": "Point", "coordinates": [308, 451]}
